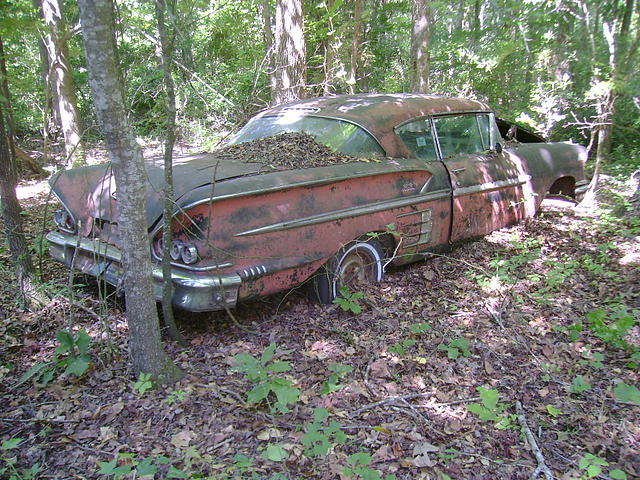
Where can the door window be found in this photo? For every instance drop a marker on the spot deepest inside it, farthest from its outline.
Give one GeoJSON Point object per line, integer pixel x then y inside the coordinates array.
{"type": "Point", "coordinates": [462, 134]}
{"type": "Point", "coordinates": [418, 138]}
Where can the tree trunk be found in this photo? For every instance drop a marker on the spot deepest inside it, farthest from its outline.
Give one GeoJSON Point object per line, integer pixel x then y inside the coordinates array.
{"type": "Point", "coordinates": [266, 14]}
{"type": "Point", "coordinates": [8, 179]}
{"type": "Point", "coordinates": [166, 60]}
{"type": "Point", "coordinates": [420, 38]}
{"type": "Point", "coordinates": [290, 52]}
{"type": "Point", "coordinates": [355, 45]}
{"type": "Point", "coordinates": [145, 345]}
{"type": "Point", "coordinates": [61, 80]}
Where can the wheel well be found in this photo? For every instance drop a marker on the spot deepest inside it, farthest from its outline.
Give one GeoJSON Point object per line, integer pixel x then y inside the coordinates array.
{"type": "Point", "coordinates": [388, 242]}
{"type": "Point", "coordinates": [564, 186]}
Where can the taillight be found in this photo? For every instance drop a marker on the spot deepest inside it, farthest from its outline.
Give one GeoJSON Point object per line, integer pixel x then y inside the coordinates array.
{"type": "Point", "coordinates": [64, 220]}
{"type": "Point", "coordinates": [180, 251]}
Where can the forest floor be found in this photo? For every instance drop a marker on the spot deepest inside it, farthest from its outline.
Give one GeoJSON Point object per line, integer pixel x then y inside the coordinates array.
{"type": "Point", "coordinates": [436, 378]}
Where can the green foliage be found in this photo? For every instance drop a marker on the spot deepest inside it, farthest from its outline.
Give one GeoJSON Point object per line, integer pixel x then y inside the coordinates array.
{"type": "Point", "coordinates": [348, 301]}
{"type": "Point", "coordinates": [262, 372]}
{"type": "Point", "coordinates": [338, 371]}
{"type": "Point", "coordinates": [72, 355]}
{"type": "Point", "coordinates": [611, 332]}
{"type": "Point", "coordinates": [418, 328]}
{"type": "Point", "coordinates": [593, 467]}
{"type": "Point", "coordinates": [176, 396]}
{"type": "Point", "coordinates": [8, 461]}
{"type": "Point", "coordinates": [358, 467]}
{"type": "Point", "coordinates": [580, 385]}
{"type": "Point", "coordinates": [401, 347]}
{"type": "Point", "coordinates": [491, 409]}
{"type": "Point", "coordinates": [143, 384]}
{"type": "Point", "coordinates": [455, 348]}
{"type": "Point", "coordinates": [320, 436]}
{"type": "Point", "coordinates": [627, 393]}
{"type": "Point", "coordinates": [275, 453]}
{"type": "Point", "coordinates": [125, 464]}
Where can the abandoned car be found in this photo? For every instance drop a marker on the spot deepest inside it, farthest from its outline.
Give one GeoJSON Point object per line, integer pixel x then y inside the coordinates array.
{"type": "Point", "coordinates": [411, 173]}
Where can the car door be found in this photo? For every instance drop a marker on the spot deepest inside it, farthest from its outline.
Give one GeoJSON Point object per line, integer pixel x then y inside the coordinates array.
{"type": "Point", "coordinates": [487, 182]}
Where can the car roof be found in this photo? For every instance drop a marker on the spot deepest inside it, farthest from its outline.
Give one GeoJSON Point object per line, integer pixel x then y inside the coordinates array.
{"type": "Point", "coordinates": [380, 113]}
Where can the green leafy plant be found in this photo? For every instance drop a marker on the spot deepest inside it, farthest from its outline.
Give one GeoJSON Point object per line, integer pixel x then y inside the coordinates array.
{"type": "Point", "coordinates": [275, 453]}
{"type": "Point", "coordinates": [143, 384]}
{"type": "Point", "coordinates": [418, 328]}
{"type": "Point", "coordinates": [580, 385]}
{"type": "Point", "coordinates": [359, 468]}
{"type": "Point", "coordinates": [338, 372]}
{"type": "Point", "coordinates": [627, 393]}
{"type": "Point", "coordinates": [8, 462]}
{"type": "Point", "coordinates": [491, 409]}
{"type": "Point", "coordinates": [176, 396]}
{"type": "Point", "coordinates": [592, 359]}
{"type": "Point", "coordinates": [592, 466]}
{"type": "Point", "coordinates": [349, 301]}
{"type": "Point", "coordinates": [126, 464]}
{"type": "Point", "coordinates": [401, 347]}
{"type": "Point", "coordinates": [262, 372]}
{"type": "Point", "coordinates": [319, 436]}
{"type": "Point", "coordinates": [455, 348]}
{"type": "Point", "coordinates": [611, 332]}
{"type": "Point", "coordinates": [72, 355]}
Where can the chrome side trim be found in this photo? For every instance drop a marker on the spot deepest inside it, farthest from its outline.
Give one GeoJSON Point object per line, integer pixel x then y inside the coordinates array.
{"type": "Point", "coordinates": [306, 183]}
{"type": "Point", "coordinates": [488, 186]}
{"type": "Point", "coordinates": [348, 213]}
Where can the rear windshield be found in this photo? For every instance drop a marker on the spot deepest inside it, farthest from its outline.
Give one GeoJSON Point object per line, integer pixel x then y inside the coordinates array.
{"type": "Point", "coordinates": [338, 135]}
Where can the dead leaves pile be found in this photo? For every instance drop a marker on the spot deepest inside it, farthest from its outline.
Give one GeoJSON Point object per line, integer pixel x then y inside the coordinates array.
{"type": "Point", "coordinates": [286, 151]}
{"type": "Point", "coordinates": [404, 403]}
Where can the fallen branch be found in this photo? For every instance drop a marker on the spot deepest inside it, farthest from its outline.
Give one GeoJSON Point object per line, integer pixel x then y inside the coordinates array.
{"type": "Point", "coordinates": [390, 400]}
{"type": "Point", "coordinates": [531, 439]}
{"type": "Point", "coordinates": [446, 404]}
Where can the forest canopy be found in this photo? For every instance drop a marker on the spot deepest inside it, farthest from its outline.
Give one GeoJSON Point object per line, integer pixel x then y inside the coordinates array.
{"type": "Point", "coordinates": [548, 65]}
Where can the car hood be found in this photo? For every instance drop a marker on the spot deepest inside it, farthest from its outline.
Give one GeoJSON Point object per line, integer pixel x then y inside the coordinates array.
{"type": "Point", "coordinates": [91, 193]}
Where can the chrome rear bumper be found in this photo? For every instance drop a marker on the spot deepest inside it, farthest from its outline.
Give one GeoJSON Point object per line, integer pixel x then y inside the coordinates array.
{"type": "Point", "coordinates": [193, 291]}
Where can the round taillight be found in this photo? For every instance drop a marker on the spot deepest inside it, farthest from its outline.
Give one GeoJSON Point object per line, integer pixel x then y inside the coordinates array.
{"type": "Point", "coordinates": [176, 250]}
{"type": "Point", "coordinates": [189, 254]}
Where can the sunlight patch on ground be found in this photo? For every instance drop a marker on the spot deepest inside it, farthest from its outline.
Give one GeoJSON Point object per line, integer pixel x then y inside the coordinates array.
{"type": "Point", "coordinates": [32, 189]}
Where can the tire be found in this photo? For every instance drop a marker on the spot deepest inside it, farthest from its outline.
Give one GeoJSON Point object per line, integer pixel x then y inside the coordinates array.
{"type": "Point", "coordinates": [356, 263]}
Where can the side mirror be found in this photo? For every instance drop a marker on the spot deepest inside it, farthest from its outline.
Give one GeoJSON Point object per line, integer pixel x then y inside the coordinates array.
{"type": "Point", "coordinates": [498, 147]}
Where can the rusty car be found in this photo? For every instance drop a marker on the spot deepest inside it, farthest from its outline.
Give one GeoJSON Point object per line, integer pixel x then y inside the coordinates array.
{"type": "Point", "coordinates": [425, 171]}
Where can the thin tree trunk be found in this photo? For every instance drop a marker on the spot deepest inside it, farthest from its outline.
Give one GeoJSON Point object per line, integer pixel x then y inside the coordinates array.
{"type": "Point", "coordinates": [166, 59]}
{"type": "Point", "coordinates": [61, 80]}
{"type": "Point", "coordinates": [355, 45]}
{"type": "Point", "coordinates": [145, 345]}
{"type": "Point", "coordinates": [266, 14]}
{"type": "Point", "coordinates": [291, 52]}
{"type": "Point", "coordinates": [8, 179]}
{"type": "Point", "coordinates": [420, 51]}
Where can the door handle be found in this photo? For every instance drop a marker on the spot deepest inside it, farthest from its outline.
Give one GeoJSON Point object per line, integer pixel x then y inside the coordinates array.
{"type": "Point", "coordinates": [458, 170]}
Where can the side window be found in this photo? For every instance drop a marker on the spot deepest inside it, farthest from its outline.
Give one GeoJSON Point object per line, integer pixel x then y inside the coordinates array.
{"type": "Point", "coordinates": [418, 139]}
{"type": "Point", "coordinates": [483, 126]}
{"type": "Point", "coordinates": [460, 134]}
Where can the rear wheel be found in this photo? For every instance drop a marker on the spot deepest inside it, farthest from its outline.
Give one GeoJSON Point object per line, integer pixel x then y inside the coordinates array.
{"type": "Point", "coordinates": [357, 263]}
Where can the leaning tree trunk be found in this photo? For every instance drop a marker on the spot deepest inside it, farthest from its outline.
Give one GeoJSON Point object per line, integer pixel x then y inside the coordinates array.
{"type": "Point", "coordinates": [8, 179]}
{"type": "Point", "coordinates": [290, 52]}
{"type": "Point", "coordinates": [61, 80]}
{"type": "Point", "coordinates": [145, 345]}
{"type": "Point", "coordinates": [420, 38]}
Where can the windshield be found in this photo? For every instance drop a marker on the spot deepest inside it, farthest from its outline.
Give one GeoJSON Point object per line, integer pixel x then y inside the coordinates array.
{"type": "Point", "coordinates": [338, 135]}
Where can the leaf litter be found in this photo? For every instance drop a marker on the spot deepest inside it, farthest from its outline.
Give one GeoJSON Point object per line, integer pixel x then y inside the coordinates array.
{"type": "Point", "coordinates": [515, 297]}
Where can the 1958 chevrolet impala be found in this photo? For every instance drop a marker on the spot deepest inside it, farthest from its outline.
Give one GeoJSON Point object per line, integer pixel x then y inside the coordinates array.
{"type": "Point", "coordinates": [426, 171]}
